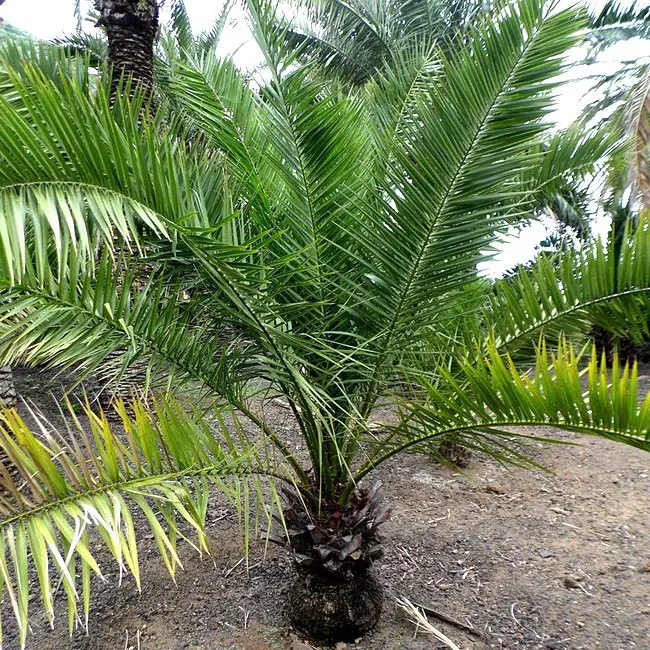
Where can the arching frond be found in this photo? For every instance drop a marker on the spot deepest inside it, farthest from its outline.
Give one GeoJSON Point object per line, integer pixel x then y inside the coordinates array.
{"type": "Point", "coordinates": [19, 59]}
{"type": "Point", "coordinates": [58, 489]}
{"type": "Point", "coordinates": [605, 285]}
{"type": "Point", "coordinates": [489, 392]}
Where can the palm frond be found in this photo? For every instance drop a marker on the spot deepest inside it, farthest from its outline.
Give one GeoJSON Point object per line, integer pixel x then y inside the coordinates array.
{"type": "Point", "coordinates": [490, 392]}
{"type": "Point", "coordinates": [18, 59]}
{"type": "Point", "coordinates": [181, 25]}
{"type": "Point", "coordinates": [616, 22]}
{"type": "Point", "coordinates": [57, 489]}
{"type": "Point", "coordinates": [210, 40]}
{"type": "Point", "coordinates": [602, 284]}
{"type": "Point", "coordinates": [447, 207]}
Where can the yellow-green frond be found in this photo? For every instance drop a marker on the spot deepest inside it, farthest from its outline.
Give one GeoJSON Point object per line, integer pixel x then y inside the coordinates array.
{"type": "Point", "coordinates": [56, 488]}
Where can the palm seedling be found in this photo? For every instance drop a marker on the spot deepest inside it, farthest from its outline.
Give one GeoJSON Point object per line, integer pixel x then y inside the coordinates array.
{"type": "Point", "coordinates": [298, 244]}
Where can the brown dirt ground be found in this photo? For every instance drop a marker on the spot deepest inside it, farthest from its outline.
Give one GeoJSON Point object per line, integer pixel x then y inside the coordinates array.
{"type": "Point", "coordinates": [529, 559]}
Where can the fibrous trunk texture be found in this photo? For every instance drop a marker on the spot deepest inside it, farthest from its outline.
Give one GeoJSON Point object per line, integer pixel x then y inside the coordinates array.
{"type": "Point", "coordinates": [131, 27]}
{"type": "Point", "coordinates": [7, 389]}
{"type": "Point", "coordinates": [455, 453]}
{"type": "Point", "coordinates": [335, 608]}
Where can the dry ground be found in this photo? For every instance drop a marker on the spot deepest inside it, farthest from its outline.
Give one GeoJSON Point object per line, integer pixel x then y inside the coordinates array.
{"type": "Point", "coordinates": [527, 559]}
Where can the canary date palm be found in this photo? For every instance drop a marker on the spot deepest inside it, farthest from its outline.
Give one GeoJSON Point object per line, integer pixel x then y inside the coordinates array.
{"type": "Point", "coordinates": [302, 245]}
{"type": "Point", "coordinates": [355, 41]}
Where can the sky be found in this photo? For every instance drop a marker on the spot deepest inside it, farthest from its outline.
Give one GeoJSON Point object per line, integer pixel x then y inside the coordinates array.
{"type": "Point", "coordinates": [48, 19]}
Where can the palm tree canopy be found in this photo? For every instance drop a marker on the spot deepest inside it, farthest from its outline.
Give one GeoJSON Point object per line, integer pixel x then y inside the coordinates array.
{"type": "Point", "coordinates": [353, 41]}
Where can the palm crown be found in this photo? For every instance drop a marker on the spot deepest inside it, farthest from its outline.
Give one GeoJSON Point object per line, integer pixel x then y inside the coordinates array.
{"type": "Point", "coordinates": [294, 241]}
{"type": "Point", "coordinates": [355, 41]}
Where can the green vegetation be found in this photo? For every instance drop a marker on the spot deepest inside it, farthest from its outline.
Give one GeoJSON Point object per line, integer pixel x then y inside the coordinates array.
{"type": "Point", "coordinates": [289, 241]}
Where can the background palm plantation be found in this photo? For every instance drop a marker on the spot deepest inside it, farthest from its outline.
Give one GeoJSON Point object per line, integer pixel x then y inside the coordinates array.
{"type": "Point", "coordinates": [295, 241]}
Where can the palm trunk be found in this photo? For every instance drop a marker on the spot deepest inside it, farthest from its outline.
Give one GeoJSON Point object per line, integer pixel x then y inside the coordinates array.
{"type": "Point", "coordinates": [336, 596]}
{"type": "Point", "coordinates": [131, 27]}
{"type": "Point", "coordinates": [7, 389]}
{"type": "Point", "coordinates": [332, 608]}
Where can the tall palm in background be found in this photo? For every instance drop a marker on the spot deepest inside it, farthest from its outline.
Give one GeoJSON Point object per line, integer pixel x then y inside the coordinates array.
{"type": "Point", "coordinates": [355, 41]}
{"type": "Point", "coordinates": [131, 28]}
{"type": "Point", "coordinates": [297, 243]}
{"type": "Point", "coordinates": [620, 100]}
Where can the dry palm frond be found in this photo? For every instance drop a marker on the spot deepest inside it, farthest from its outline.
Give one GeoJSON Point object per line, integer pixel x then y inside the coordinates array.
{"type": "Point", "coordinates": [419, 618]}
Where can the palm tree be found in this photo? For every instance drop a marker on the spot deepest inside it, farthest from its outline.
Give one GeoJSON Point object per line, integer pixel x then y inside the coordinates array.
{"type": "Point", "coordinates": [354, 41]}
{"type": "Point", "coordinates": [615, 23]}
{"type": "Point", "coordinates": [311, 246]}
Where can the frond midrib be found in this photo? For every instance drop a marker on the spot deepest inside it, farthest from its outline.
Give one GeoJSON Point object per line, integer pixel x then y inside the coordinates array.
{"type": "Point", "coordinates": [131, 484]}
{"type": "Point", "coordinates": [611, 434]}
{"type": "Point", "coordinates": [579, 306]}
{"type": "Point", "coordinates": [452, 185]}
{"type": "Point", "coordinates": [86, 185]}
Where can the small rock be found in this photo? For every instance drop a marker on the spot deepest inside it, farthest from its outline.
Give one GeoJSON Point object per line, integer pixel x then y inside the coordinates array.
{"type": "Point", "coordinates": [546, 552]}
{"type": "Point", "coordinates": [340, 646]}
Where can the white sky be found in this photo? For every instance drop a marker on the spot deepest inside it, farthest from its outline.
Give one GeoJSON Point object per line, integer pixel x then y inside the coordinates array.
{"type": "Point", "coordinates": [47, 19]}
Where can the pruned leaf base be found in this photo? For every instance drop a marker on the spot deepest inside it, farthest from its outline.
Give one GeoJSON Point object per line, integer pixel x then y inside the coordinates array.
{"type": "Point", "coordinates": [330, 608]}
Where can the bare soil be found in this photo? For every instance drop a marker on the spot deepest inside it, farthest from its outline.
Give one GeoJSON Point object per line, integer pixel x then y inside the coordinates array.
{"type": "Point", "coordinates": [528, 559]}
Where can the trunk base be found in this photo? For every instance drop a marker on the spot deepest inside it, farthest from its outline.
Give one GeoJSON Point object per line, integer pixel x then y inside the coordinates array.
{"type": "Point", "coordinates": [326, 607]}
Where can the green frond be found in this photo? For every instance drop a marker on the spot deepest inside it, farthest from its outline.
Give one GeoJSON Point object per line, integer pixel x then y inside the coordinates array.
{"type": "Point", "coordinates": [447, 206]}
{"type": "Point", "coordinates": [598, 284]}
{"type": "Point", "coordinates": [58, 489]}
{"type": "Point", "coordinates": [181, 26]}
{"type": "Point", "coordinates": [490, 392]}
{"type": "Point", "coordinates": [19, 58]}
{"type": "Point", "coordinates": [357, 41]}
{"type": "Point", "coordinates": [82, 318]}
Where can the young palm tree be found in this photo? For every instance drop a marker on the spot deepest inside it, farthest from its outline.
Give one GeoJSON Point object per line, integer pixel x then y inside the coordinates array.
{"type": "Point", "coordinates": [305, 245]}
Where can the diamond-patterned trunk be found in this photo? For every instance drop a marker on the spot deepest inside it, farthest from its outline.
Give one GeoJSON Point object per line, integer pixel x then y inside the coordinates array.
{"type": "Point", "coordinates": [132, 28]}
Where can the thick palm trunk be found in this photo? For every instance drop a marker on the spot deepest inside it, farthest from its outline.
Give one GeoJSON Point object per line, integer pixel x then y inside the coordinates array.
{"type": "Point", "coordinates": [336, 596]}
{"type": "Point", "coordinates": [131, 27]}
{"type": "Point", "coordinates": [335, 608]}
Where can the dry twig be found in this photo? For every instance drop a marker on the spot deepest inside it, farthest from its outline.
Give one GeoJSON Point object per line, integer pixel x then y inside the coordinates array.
{"type": "Point", "coordinates": [419, 618]}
